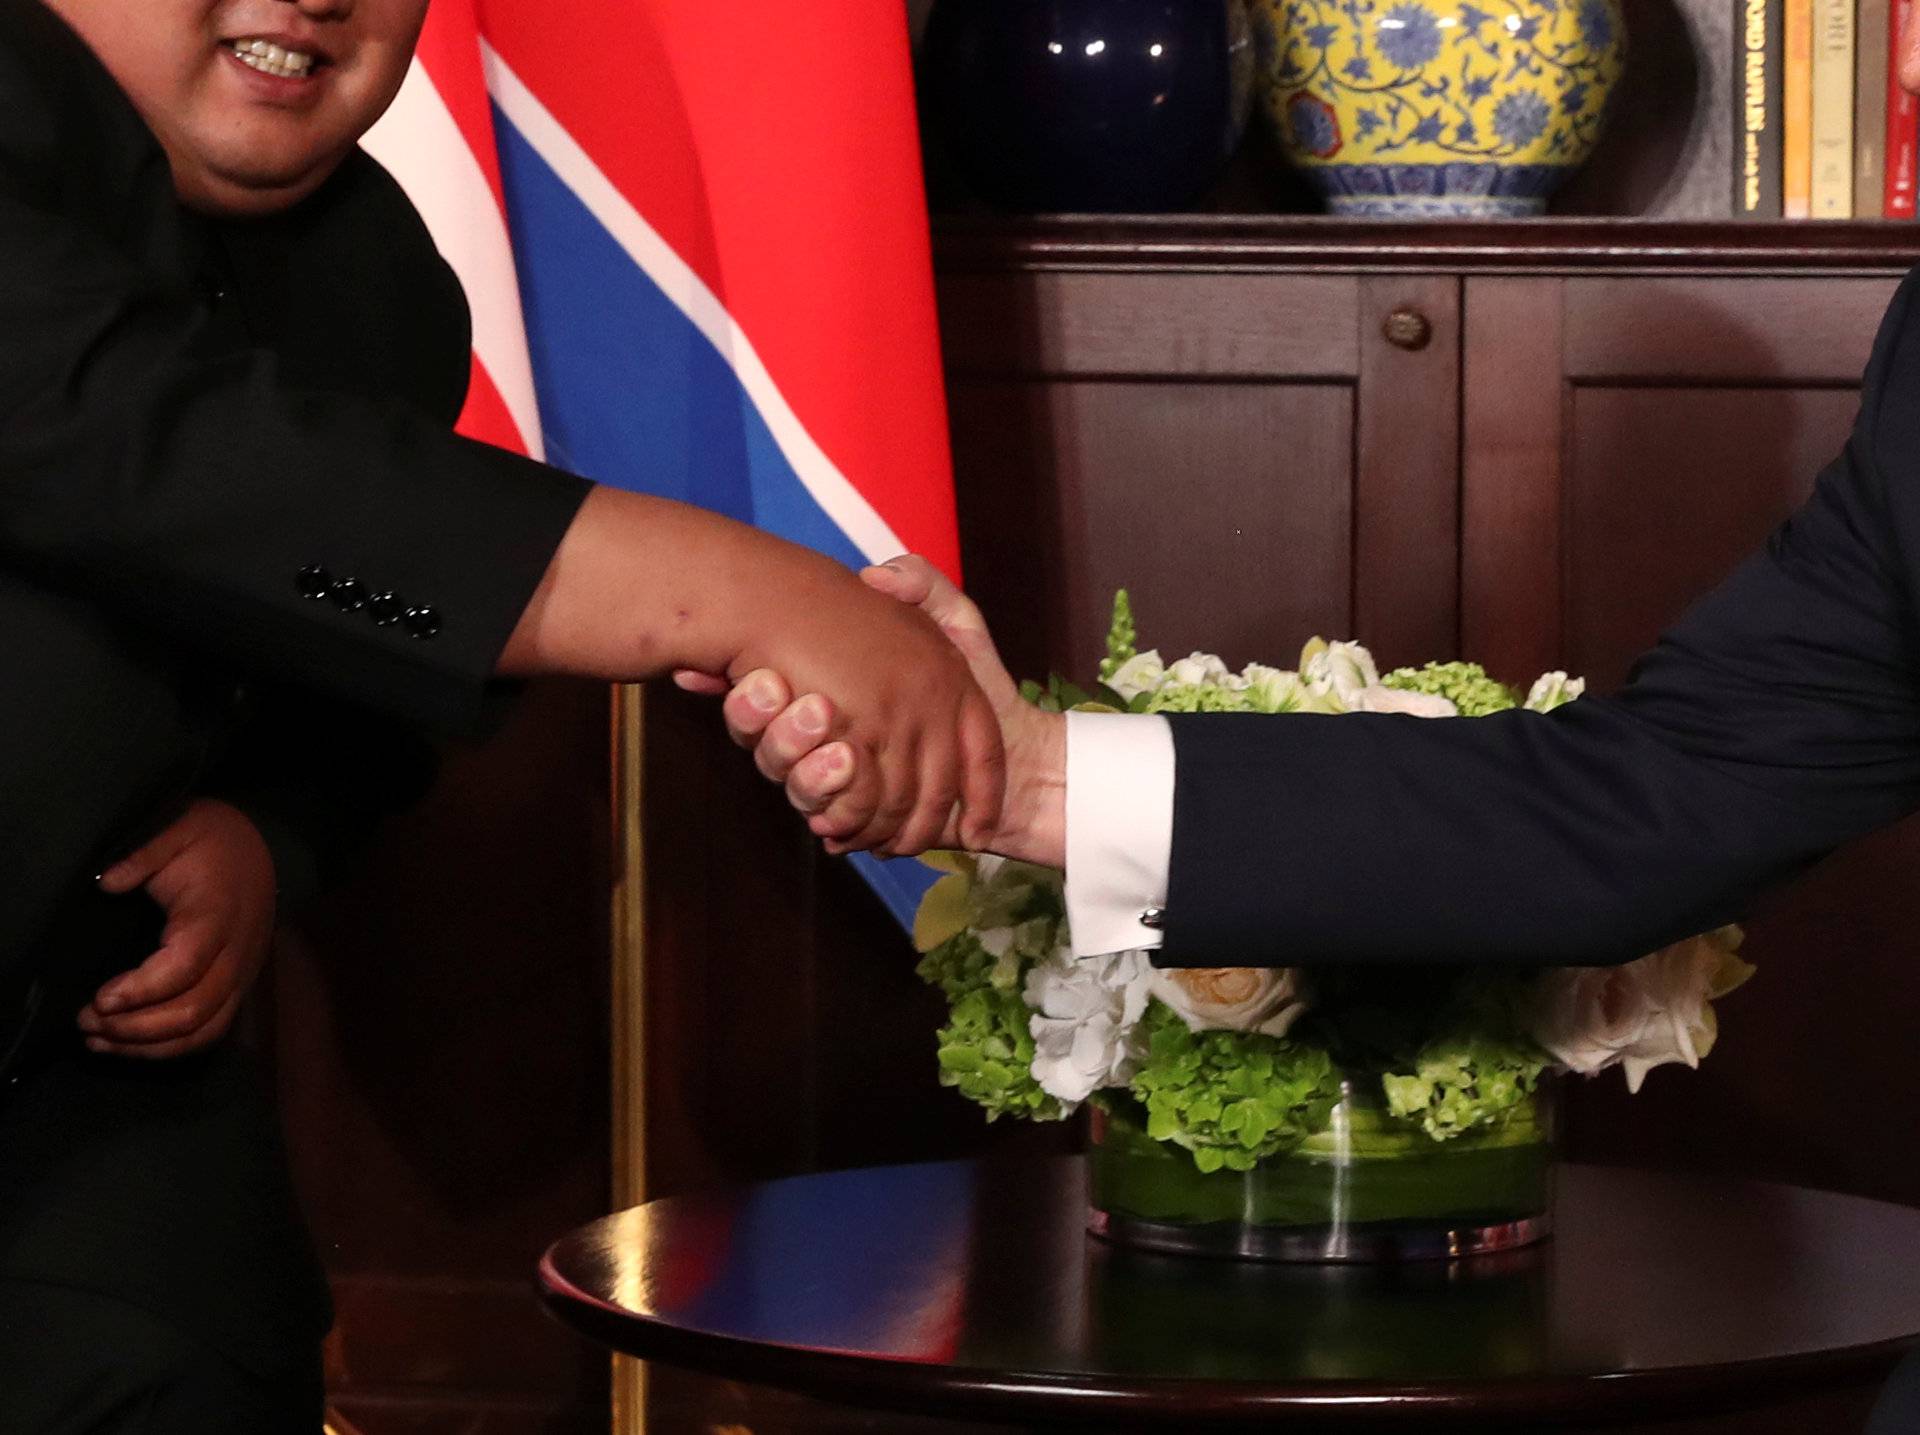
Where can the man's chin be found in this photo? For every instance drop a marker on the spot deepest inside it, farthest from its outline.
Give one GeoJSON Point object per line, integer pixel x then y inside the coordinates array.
{"type": "Point", "coordinates": [249, 190]}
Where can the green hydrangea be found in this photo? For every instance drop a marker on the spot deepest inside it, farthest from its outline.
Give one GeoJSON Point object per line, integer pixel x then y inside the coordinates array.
{"type": "Point", "coordinates": [1231, 1098]}
{"type": "Point", "coordinates": [986, 1053]}
{"type": "Point", "coordinates": [960, 966]}
{"type": "Point", "coordinates": [1465, 685]}
{"type": "Point", "coordinates": [1196, 698]}
{"type": "Point", "coordinates": [1464, 1082]}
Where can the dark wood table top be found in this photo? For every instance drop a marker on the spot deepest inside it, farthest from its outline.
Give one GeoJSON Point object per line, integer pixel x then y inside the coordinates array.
{"type": "Point", "coordinates": [970, 1289]}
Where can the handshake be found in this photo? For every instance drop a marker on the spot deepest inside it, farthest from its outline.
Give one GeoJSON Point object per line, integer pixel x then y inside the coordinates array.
{"type": "Point", "coordinates": [930, 750]}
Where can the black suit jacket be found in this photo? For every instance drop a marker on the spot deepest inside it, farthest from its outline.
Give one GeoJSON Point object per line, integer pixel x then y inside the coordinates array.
{"type": "Point", "coordinates": [195, 420]}
{"type": "Point", "coordinates": [201, 426]}
{"type": "Point", "coordinates": [1776, 720]}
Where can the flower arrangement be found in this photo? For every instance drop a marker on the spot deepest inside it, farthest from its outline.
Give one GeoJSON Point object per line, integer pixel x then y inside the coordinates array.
{"type": "Point", "coordinates": [1233, 1067]}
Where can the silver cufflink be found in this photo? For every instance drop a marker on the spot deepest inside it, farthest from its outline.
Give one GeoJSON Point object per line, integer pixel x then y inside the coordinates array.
{"type": "Point", "coordinates": [1154, 917]}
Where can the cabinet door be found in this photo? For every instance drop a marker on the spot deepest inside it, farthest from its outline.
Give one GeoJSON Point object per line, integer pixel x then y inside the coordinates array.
{"type": "Point", "coordinates": [1627, 442]}
{"type": "Point", "coordinates": [1251, 455]}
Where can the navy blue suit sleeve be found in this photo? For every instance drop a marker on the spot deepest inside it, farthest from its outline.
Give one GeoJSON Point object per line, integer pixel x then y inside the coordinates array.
{"type": "Point", "coordinates": [1778, 719]}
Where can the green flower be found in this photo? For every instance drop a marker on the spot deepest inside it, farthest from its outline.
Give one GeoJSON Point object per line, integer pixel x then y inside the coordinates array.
{"type": "Point", "coordinates": [1464, 1082]}
{"type": "Point", "coordinates": [986, 1053]}
{"type": "Point", "coordinates": [1231, 1098]}
{"type": "Point", "coordinates": [1465, 685]}
{"type": "Point", "coordinates": [1120, 637]}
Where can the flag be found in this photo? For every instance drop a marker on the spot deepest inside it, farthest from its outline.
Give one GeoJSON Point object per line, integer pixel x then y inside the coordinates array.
{"type": "Point", "coordinates": [694, 240]}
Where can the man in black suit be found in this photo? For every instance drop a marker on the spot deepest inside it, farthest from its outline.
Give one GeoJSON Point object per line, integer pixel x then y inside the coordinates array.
{"type": "Point", "coordinates": [243, 557]}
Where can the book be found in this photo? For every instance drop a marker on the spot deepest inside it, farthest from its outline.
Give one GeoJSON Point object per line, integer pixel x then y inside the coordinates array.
{"type": "Point", "coordinates": [1757, 163]}
{"type": "Point", "coordinates": [1872, 26]}
{"type": "Point", "coordinates": [1903, 124]}
{"type": "Point", "coordinates": [1833, 47]}
{"type": "Point", "coordinates": [1796, 111]}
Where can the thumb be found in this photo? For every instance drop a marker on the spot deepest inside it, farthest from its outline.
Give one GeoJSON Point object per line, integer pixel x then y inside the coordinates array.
{"type": "Point", "coordinates": [912, 579]}
{"type": "Point", "coordinates": [138, 868]}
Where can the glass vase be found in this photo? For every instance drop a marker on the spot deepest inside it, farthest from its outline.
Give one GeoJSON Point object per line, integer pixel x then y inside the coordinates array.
{"type": "Point", "coordinates": [1366, 1187]}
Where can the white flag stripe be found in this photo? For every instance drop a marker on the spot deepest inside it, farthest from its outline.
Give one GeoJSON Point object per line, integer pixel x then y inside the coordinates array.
{"type": "Point", "coordinates": [421, 145]}
{"type": "Point", "coordinates": [842, 502]}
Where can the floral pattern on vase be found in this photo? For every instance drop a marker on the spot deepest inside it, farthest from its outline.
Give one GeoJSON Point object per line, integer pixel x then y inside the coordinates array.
{"type": "Point", "coordinates": [1418, 108]}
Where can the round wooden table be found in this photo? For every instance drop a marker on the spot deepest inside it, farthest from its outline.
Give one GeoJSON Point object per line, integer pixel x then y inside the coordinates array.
{"type": "Point", "coordinates": [971, 1290]}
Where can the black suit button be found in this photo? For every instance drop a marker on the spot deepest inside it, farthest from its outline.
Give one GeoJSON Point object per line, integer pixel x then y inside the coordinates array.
{"type": "Point", "coordinates": [385, 609]}
{"type": "Point", "coordinates": [423, 621]}
{"type": "Point", "coordinates": [313, 581]}
{"type": "Point", "coordinates": [349, 595]}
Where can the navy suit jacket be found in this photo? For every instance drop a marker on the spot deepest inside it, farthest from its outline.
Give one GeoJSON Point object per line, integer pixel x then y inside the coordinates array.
{"type": "Point", "coordinates": [1777, 719]}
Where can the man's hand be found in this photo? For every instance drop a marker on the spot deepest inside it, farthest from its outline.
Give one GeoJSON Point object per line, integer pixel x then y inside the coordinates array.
{"type": "Point", "coordinates": [642, 586]}
{"type": "Point", "coordinates": [819, 775]}
{"type": "Point", "coordinates": [212, 874]}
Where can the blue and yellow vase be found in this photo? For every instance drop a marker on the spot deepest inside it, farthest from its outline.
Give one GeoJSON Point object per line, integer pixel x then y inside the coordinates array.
{"type": "Point", "coordinates": [1438, 108]}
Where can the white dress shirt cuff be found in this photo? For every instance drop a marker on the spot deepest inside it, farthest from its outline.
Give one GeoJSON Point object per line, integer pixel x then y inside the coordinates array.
{"type": "Point", "coordinates": [1119, 828]}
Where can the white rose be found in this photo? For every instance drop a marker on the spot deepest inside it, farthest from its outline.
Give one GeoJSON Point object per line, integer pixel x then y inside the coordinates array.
{"type": "Point", "coordinates": [1142, 673]}
{"type": "Point", "coordinates": [1200, 670]}
{"type": "Point", "coordinates": [1341, 670]}
{"type": "Point", "coordinates": [1262, 999]}
{"type": "Point", "coordinates": [1378, 699]}
{"type": "Point", "coordinates": [1641, 1015]}
{"type": "Point", "coordinates": [1084, 1019]}
{"type": "Point", "coordinates": [1551, 690]}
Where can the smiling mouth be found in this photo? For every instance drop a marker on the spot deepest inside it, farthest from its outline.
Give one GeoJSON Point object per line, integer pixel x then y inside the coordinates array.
{"type": "Point", "coordinates": [276, 60]}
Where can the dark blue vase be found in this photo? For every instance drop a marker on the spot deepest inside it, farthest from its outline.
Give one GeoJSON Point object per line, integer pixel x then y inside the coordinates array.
{"type": "Point", "coordinates": [1088, 105]}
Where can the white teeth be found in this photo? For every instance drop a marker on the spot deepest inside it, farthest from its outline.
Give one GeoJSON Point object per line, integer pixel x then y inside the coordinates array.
{"type": "Point", "coordinates": [271, 59]}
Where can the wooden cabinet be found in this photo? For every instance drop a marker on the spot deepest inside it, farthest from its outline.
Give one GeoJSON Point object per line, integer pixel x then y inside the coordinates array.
{"type": "Point", "coordinates": [1252, 455]}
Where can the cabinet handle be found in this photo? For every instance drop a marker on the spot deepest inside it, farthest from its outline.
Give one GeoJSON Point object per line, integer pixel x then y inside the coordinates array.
{"type": "Point", "coordinates": [1408, 329]}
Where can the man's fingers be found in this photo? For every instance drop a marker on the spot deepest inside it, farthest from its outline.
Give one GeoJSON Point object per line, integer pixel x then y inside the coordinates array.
{"type": "Point", "coordinates": [799, 730]}
{"type": "Point", "coordinates": [136, 869]}
{"type": "Point", "coordinates": [938, 796]}
{"type": "Point", "coordinates": [820, 776]}
{"type": "Point", "coordinates": [848, 813]}
{"type": "Point", "coordinates": [707, 685]}
{"type": "Point", "coordinates": [183, 1031]}
{"type": "Point", "coordinates": [182, 1010]}
{"type": "Point", "coordinates": [908, 578]}
{"type": "Point", "coordinates": [899, 793]}
{"type": "Point", "coordinates": [756, 700]}
{"type": "Point", "coordinates": [187, 952]}
{"type": "Point", "coordinates": [983, 777]}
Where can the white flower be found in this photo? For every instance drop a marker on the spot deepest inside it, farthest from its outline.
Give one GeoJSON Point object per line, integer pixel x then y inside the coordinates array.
{"type": "Point", "coordinates": [1378, 699]}
{"type": "Point", "coordinates": [1201, 670]}
{"type": "Point", "coordinates": [1550, 690]}
{"type": "Point", "coordinates": [1340, 670]}
{"type": "Point", "coordinates": [1084, 1016]}
{"type": "Point", "coordinates": [1263, 999]}
{"type": "Point", "coordinates": [1272, 690]}
{"type": "Point", "coordinates": [1142, 673]}
{"type": "Point", "coordinates": [1641, 1015]}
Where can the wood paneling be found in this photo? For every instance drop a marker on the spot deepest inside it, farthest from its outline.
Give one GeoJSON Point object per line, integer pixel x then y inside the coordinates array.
{"type": "Point", "coordinates": [1510, 479]}
{"type": "Point", "coordinates": [440, 1056]}
{"type": "Point", "coordinates": [1667, 490]}
{"type": "Point", "coordinates": [1406, 521]}
{"type": "Point", "coordinates": [1226, 508]}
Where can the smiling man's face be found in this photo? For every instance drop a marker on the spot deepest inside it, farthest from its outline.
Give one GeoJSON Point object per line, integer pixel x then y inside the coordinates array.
{"type": "Point", "coordinates": [255, 101]}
